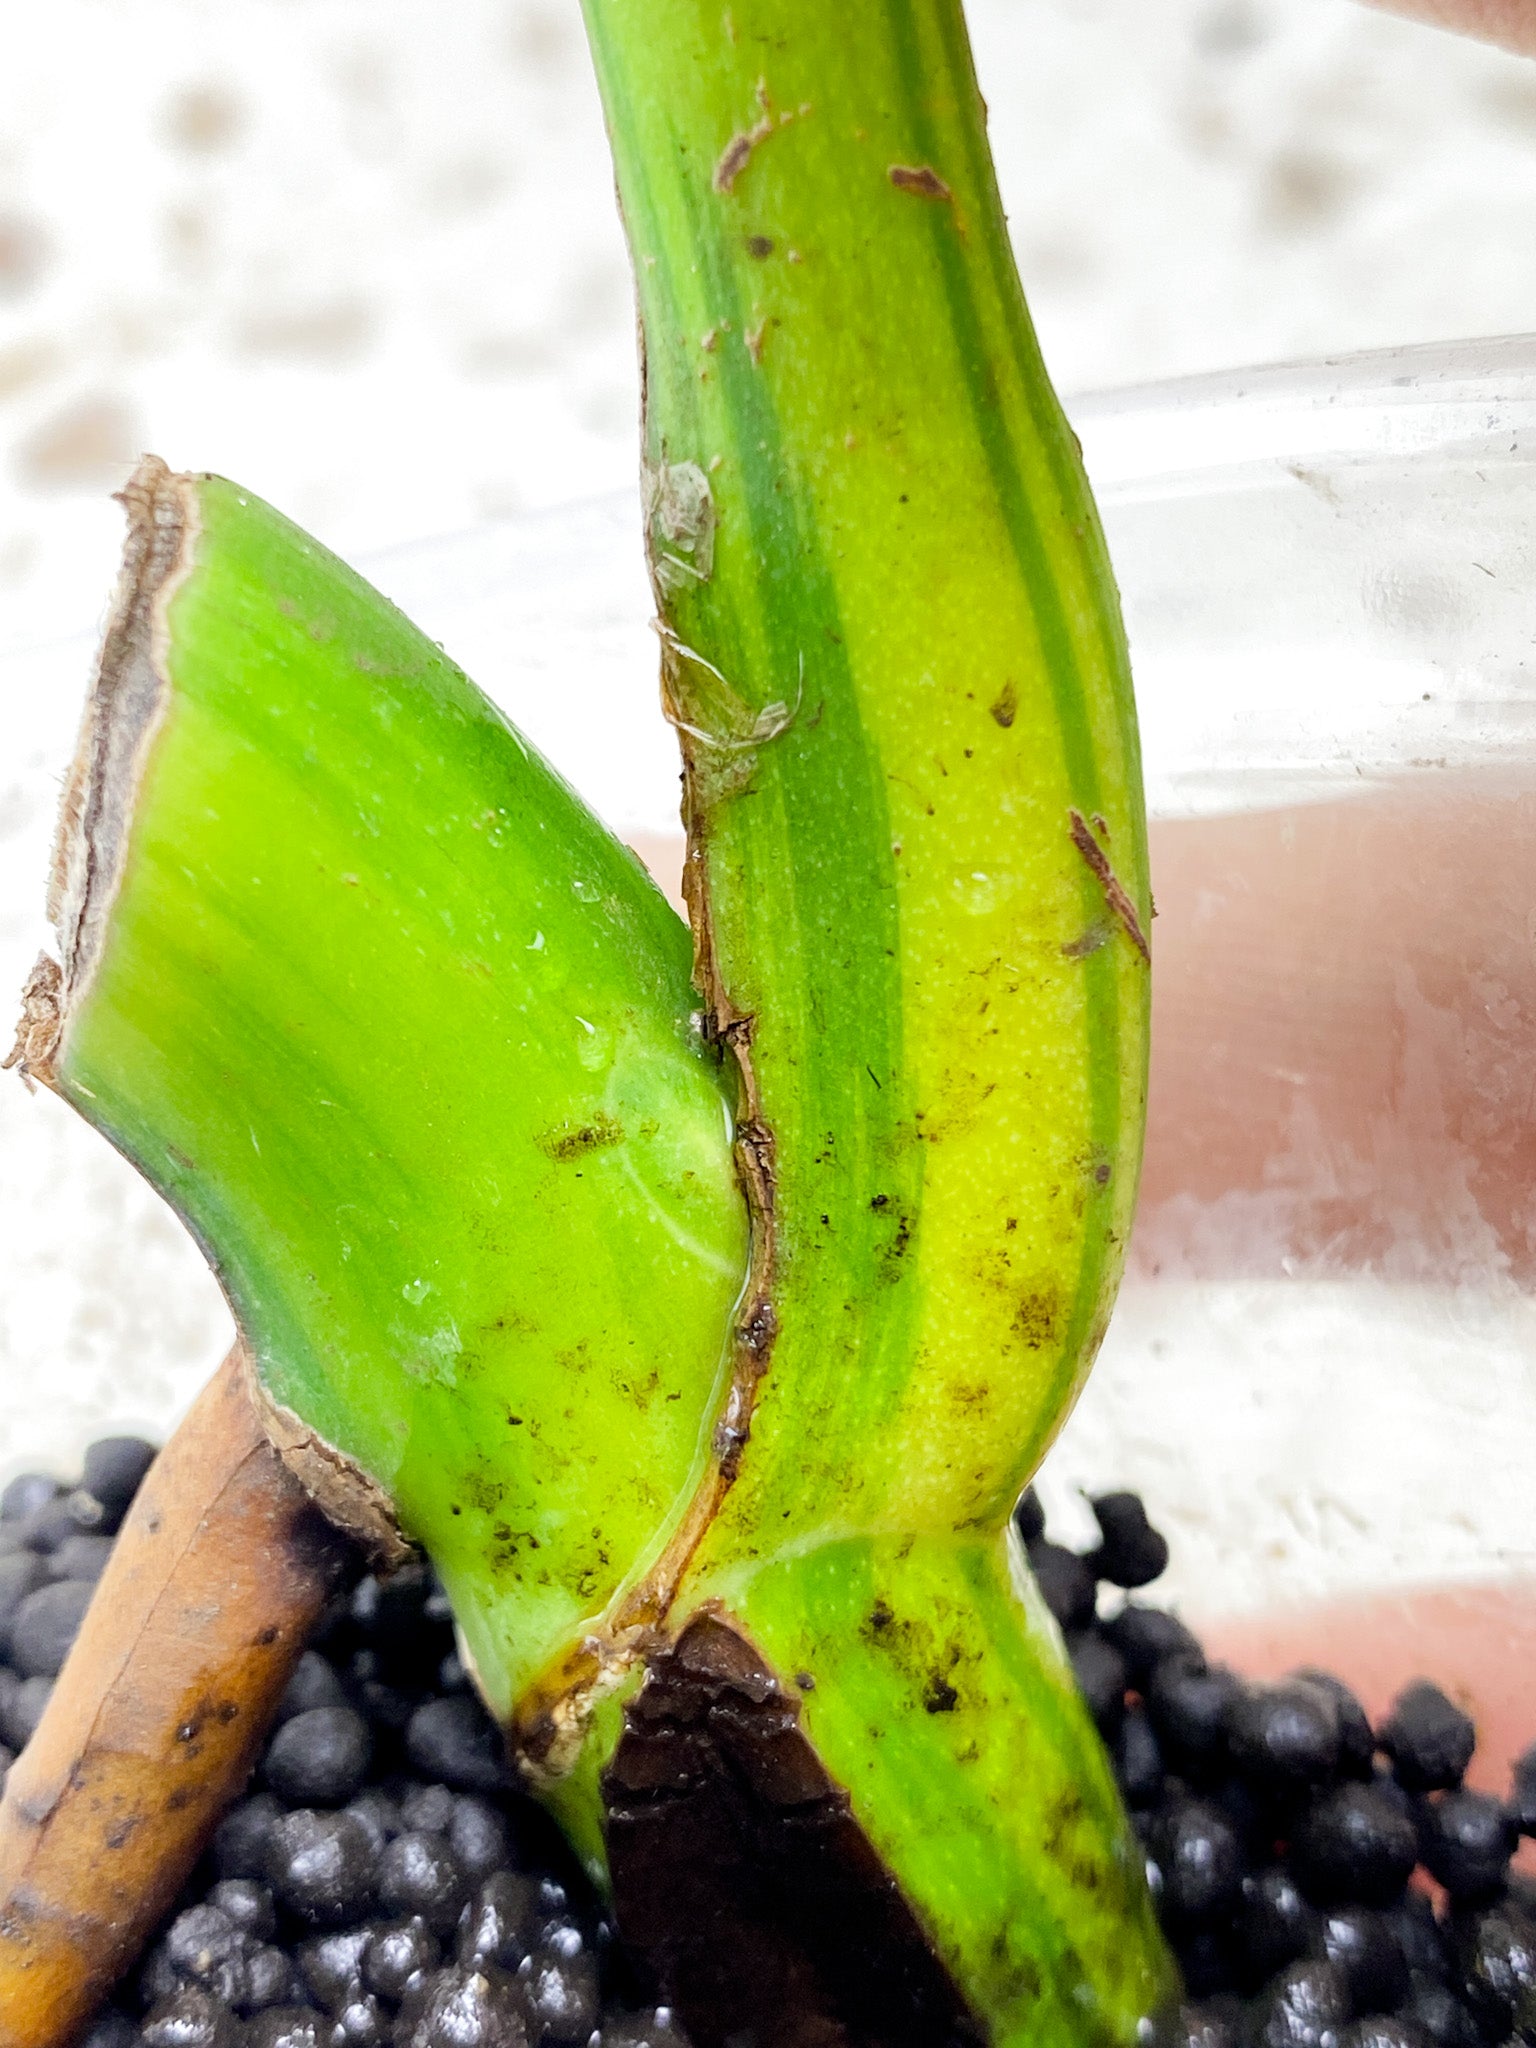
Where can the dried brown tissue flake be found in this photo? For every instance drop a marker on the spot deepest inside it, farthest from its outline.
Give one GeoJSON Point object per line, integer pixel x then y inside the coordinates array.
{"type": "Point", "coordinates": [737, 153]}
{"type": "Point", "coordinates": [572, 1141]}
{"type": "Point", "coordinates": [1114, 891]}
{"type": "Point", "coordinates": [338, 1486]}
{"type": "Point", "coordinates": [121, 718]}
{"type": "Point", "coordinates": [41, 1022]}
{"type": "Point", "coordinates": [919, 178]}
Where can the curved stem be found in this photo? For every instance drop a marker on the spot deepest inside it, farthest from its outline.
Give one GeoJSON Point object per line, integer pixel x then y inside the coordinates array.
{"type": "Point", "coordinates": [917, 874]}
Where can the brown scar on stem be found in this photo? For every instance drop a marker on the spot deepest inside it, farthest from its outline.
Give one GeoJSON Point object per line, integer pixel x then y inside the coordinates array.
{"type": "Point", "coordinates": [733, 158]}
{"type": "Point", "coordinates": [1097, 935]}
{"type": "Point", "coordinates": [1114, 894]}
{"type": "Point", "coordinates": [919, 178]}
{"type": "Point", "coordinates": [548, 1723]}
{"type": "Point", "coordinates": [737, 153]}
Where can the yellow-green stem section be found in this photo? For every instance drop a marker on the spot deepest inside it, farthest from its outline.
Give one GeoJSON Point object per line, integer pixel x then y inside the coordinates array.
{"type": "Point", "coordinates": [943, 1703]}
{"type": "Point", "coordinates": [897, 660]}
{"type": "Point", "coordinates": [893, 650]}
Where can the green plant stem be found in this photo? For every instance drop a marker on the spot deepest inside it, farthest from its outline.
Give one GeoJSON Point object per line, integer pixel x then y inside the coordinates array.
{"type": "Point", "coordinates": [943, 1703]}
{"type": "Point", "coordinates": [948, 1008]}
{"type": "Point", "coordinates": [355, 981]}
{"type": "Point", "coordinates": [917, 873]}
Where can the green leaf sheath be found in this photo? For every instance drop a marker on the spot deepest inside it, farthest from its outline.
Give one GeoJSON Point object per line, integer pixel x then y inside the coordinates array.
{"type": "Point", "coordinates": [944, 1705]}
{"type": "Point", "coordinates": [907, 587]}
{"type": "Point", "coordinates": [893, 651]}
{"type": "Point", "coordinates": [404, 1035]}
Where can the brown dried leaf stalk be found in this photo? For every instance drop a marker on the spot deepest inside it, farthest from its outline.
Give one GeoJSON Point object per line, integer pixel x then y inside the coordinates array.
{"type": "Point", "coordinates": [220, 1572]}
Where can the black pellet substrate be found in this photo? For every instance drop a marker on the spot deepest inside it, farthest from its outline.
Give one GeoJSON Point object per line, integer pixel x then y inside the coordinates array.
{"type": "Point", "coordinates": [382, 1884]}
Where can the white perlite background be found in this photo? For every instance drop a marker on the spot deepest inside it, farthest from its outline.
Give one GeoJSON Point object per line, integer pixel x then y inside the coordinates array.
{"type": "Point", "coordinates": [363, 255]}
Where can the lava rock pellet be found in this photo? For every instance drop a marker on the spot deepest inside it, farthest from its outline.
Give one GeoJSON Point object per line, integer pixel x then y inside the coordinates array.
{"type": "Point", "coordinates": [28, 1492]}
{"type": "Point", "coordinates": [49, 1525]}
{"type": "Point", "coordinates": [1131, 1552]}
{"type": "Point", "coordinates": [1274, 1923]}
{"type": "Point", "coordinates": [426, 1809]}
{"type": "Point", "coordinates": [241, 1839]}
{"type": "Point", "coordinates": [1199, 1860]}
{"type": "Point", "coordinates": [454, 1739]}
{"type": "Point", "coordinates": [314, 1684]}
{"type": "Point", "coordinates": [1362, 1946]}
{"type": "Point", "coordinates": [1382, 2032]}
{"type": "Point", "coordinates": [81, 1557]}
{"type": "Point", "coordinates": [656, 2029]}
{"type": "Point", "coordinates": [1305, 2006]}
{"type": "Point", "coordinates": [1442, 2019]}
{"type": "Point", "coordinates": [1357, 1743]}
{"type": "Point", "coordinates": [382, 1885]}
{"type": "Point", "coordinates": [1497, 1954]}
{"type": "Point", "coordinates": [1285, 1738]}
{"type": "Point", "coordinates": [562, 1984]}
{"type": "Point", "coordinates": [1428, 1738]}
{"type": "Point", "coordinates": [479, 1836]}
{"type": "Point", "coordinates": [321, 1866]}
{"type": "Point", "coordinates": [191, 2019]}
{"type": "Point", "coordinates": [1029, 1516]}
{"type": "Point", "coordinates": [319, 1757]}
{"type": "Point", "coordinates": [1066, 1583]}
{"type": "Point", "coordinates": [22, 1573]}
{"type": "Point", "coordinates": [288, 2026]}
{"type": "Point", "coordinates": [1522, 1794]}
{"type": "Point", "coordinates": [1137, 1759]}
{"type": "Point", "coordinates": [476, 2007]}
{"type": "Point", "coordinates": [419, 1875]}
{"type": "Point", "coordinates": [401, 1951]}
{"type": "Point", "coordinates": [115, 1468]}
{"type": "Point", "coordinates": [110, 2030]}
{"type": "Point", "coordinates": [1190, 1706]}
{"type": "Point", "coordinates": [1147, 1638]}
{"type": "Point", "coordinates": [379, 1814]}
{"type": "Point", "coordinates": [21, 1708]}
{"type": "Point", "coordinates": [332, 1966]}
{"type": "Point", "coordinates": [1354, 1844]}
{"type": "Point", "coordinates": [1099, 1670]}
{"type": "Point", "coordinates": [45, 1624]}
{"type": "Point", "coordinates": [1466, 1840]}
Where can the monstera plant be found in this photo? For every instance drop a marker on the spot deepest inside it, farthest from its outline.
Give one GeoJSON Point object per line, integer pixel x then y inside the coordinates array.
{"type": "Point", "coordinates": [700, 1308]}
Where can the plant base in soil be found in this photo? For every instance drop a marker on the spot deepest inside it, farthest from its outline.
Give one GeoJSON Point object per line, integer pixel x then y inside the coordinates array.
{"type": "Point", "coordinates": [1324, 1883]}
